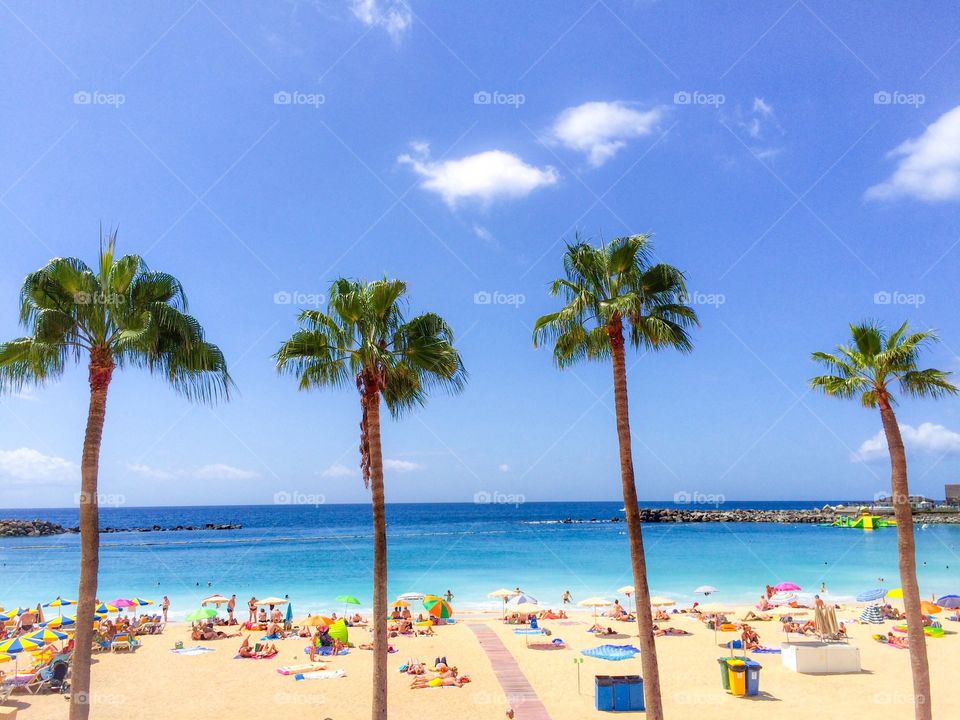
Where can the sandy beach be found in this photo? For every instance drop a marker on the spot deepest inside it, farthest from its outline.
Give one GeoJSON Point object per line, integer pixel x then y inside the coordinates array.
{"type": "Point", "coordinates": [153, 682]}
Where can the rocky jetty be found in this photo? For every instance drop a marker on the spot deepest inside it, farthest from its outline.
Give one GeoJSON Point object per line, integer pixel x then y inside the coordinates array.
{"type": "Point", "coordinates": [38, 528]}
{"type": "Point", "coordinates": [742, 515]}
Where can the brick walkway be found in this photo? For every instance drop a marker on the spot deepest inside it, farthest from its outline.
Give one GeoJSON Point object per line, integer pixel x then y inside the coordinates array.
{"type": "Point", "coordinates": [519, 695]}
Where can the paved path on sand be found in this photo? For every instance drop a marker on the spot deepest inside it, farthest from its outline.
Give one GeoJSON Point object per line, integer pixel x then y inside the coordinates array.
{"type": "Point", "coordinates": [519, 694]}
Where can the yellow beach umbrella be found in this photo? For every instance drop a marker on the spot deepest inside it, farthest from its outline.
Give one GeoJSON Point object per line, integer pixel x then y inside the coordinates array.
{"type": "Point", "coordinates": [595, 602]}
{"type": "Point", "coordinates": [896, 594]}
{"type": "Point", "coordinates": [399, 603]}
{"type": "Point", "coordinates": [929, 608]}
{"type": "Point", "coordinates": [660, 601]}
{"type": "Point", "coordinates": [317, 621]}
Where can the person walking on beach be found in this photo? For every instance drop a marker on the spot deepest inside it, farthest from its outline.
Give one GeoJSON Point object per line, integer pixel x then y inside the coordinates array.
{"type": "Point", "coordinates": [566, 597]}
{"type": "Point", "coordinates": [231, 606]}
{"type": "Point", "coordinates": [448, 595]}
{"type": "Point", "coordinates": [252, 607]}
{"type": "Point", "coordinates": [165, 606]}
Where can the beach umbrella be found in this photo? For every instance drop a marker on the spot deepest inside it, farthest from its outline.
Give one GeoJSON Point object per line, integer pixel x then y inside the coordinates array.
{"type": "Point", "coordinates": [45, 636]}
{"type": "Point", "coordinates": [399, 603]}
{"type": "Point", "coordinates": [6, 617]}
{"type": "Point", "coordinates": [951, 602]}
{"type": "Point", "coordinates": [521, 599]}
{"type": "Point", "coordinates": [217, 600]}
{"type": "Point", "coordinates": [5, 658]}
{"type": "Point", "coordinates": [594, 602]}
{"type": "Point", "coordinates": [201, 614]}
{"type": "Point", "coordinates": [611, 652]}
{"type": "Point", "coordinates": [871, 614]}
{"type": "Point", "coordinates": [660, 601]}
{"type": "Point", "coordinates": [60, 621]}
{"type": "Point", "coordinates": [439, 608]}
{"type": "Point", "coordinates": [141, 601]}
{"type": "Point", "coordinates": [18, 645]}
{"type": "Point", "coordinates": [289, 618]}
{"type": "Point", "coordinates": [317, 621]}
{"type": "Point", "coordinates": [871, 595]}
{"type": "Point", "coordinates": [502, 594]}
{"type": "Point", "coordinates": [626, 590]}
{"type": "Point", "coordinates": [272, 601]}
{"type": "Point", "coordinates": [526, 608]}
{"type": "Point", "coordinates": [347, 600]}
{"type": "Point", "coordinates": [783, 598]}
{"type": "Point", "coordinates": [928, 608]}
{"type": "Point", "coordinates": [411, 596]}
{"type": "Point", "coordinates": [123, 603]}
{"type": "Point", "coordinates": [706, 590]}
{"type": "Point", "coordinates": [104, 608]}
{"type": "Point", "coordinates": [786, 587]}
{"type": "Point", "coordinates": [896, 593]}
{"type": "Point", "coordinates": [60, 602]}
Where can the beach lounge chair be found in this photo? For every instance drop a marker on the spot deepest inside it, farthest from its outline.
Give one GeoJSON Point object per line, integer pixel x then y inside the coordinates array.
{"type": "Point", "coordinates": [124, 641]}
{"type": "Point", "coordinates": [52, 677]}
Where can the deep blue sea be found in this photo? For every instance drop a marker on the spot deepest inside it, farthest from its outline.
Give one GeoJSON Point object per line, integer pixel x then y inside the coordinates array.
{"type": "Point", "coordinates": [314, 553]}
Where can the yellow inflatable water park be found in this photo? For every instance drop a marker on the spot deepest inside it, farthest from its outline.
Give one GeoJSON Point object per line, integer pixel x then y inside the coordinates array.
{"type": "Point", "coordinates": [866, 521]}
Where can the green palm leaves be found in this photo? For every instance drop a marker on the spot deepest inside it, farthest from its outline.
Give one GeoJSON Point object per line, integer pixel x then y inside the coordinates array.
{"type": "Point", "coordinates": [120, 314]}
{"type": "Point", "coordinates": [616, 285]}
{"type": "Point", "coordinates": [873, 360]}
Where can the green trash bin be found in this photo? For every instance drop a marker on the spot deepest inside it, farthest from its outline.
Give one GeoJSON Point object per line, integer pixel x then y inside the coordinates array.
{"type": "Point", "coordinates": [724, 675]}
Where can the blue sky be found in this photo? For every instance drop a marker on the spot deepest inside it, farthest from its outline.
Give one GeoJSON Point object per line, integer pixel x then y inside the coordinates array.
{"type": "Point", "coordinates": [798, 160]}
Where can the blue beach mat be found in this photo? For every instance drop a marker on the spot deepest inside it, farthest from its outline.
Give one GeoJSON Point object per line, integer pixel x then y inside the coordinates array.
{"type": "Point", "coordinates": [611, 652]}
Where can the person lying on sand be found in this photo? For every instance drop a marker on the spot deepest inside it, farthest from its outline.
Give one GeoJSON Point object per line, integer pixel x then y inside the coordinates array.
{"type": "Point", "coordinates": [900, 642]}
{"type": "Point", "coordinates": [660, 632]}
{"type": "Point", "coordinates": [424, 630]}
{"type": "Point", "coordinates": [601, 630]}
{"type": "Point", "coordinates": [757, 617]}
{"type": "Point", "coordinates": [424, 682]}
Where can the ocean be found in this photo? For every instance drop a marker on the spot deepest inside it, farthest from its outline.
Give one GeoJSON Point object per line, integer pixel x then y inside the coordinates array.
{"type": "Point", "coordinates": [314, 553]}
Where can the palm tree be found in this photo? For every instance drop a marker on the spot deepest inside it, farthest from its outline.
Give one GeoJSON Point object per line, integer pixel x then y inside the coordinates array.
{"type": "Point", "coordinates": [613, 294]}
{"type": "Point", "coordinates": [866, 369]}
{"type": "Point", "coordinates": [120, 314]}
{"type": "Point", "coordinates": [364, 338]}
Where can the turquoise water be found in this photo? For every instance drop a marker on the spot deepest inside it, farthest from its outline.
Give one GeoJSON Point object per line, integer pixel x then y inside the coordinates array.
{"type": "Point", "coordinates": [316, 553]}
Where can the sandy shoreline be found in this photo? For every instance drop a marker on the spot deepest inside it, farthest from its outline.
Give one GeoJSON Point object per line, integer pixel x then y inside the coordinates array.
{"type": "Point", "coordinates": [155, 683]}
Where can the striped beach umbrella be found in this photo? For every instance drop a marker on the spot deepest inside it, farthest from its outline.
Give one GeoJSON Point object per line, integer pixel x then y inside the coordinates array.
{"type": "Point", "coordinates": [871, 595]}
{"type": "Point", "coordinates": [871, 614]}
{"type": "Point", "coordinates": [60, 621]}
{"type": "Point", "coordinates": [142, 601]}
{"type": "Point", "coordinates": [104, 608]}
{"type": "Point", "coordinates": [439, 608]}
{"type": "Point", "coordinates": [18, 645]}
{"type": "Point", "coordinates": [45, 636]}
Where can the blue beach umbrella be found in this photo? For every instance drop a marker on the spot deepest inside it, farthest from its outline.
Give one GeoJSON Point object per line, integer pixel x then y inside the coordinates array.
{"type": "Point", "coordinates": [871, 615]}
{"type": "Point", "coordinates": [949, 601]}
{"type": "Point", "coordinates": [289, 612]}
{"type": "Point", "coordinates": [611, 652]}
{"type": "Point", "coordinates": [872, 595]}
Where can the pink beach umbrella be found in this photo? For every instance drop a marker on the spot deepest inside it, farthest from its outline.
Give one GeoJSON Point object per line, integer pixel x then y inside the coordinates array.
{"type": "Point", "coordinates": [786, 587]}
{"type": "Point", "coordinates": [123, 603]}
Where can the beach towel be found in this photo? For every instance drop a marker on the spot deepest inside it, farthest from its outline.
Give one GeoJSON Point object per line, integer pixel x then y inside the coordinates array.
{"type": "Point", "coordinates": [327, 650]}
{"type": "Point", "coordinates": [196, 650]}
{"type": "Point", "coordinates": [320, 675]}
{"type": "Point", "coordinates": [611, 652]}
{"type": "Point", "coordinates": [256, 657]}
{"type": "Point", "coordinates": [521, 631]}
{"type": "Point", "coordinates": [766, 649]}
{"type": "Point", "coordinates": [303, 668]}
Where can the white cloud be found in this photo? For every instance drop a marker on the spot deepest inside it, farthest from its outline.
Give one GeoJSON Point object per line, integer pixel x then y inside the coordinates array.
{"type": "Point", "coordinates": [222, 471]}
{"type": "Point", "coordinates": [929, 167]}
{"type": "Point", "coordinates": [601, 129]}
{"type": "Point", "coordinates": [504, 468]}
{"type": "Point", "coordinates": [149, 472]}
{"type": "Point", "coordinates": [762, 128]}
{"type": "Point", "coordinates": [927, 438]}
{"type": "Point", "coordinates": [26, 465]}
{"type": "Point", "coordinates": [401, 466]}
{"type": "Point", "coordinates": [481, 232]}
{"type": "Point", "coordinates": [337, 471]}
{"type": "Point", "coordinates": [394, 16]}
{"type": "Point", "coordinates": [486, 176]}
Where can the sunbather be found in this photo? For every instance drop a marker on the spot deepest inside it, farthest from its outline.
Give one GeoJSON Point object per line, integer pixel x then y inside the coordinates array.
{"type": "Point", "coordinates": [601, 630]}
{"type": "Point", "coordinates": [659, 632]}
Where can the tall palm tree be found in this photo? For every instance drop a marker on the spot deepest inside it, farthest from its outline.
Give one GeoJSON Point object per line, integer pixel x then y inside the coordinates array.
{"type": "Point", "coordinates": [866, 370]}
{"type": "Point", "coordinates": [613, 293]}
{"type": "Point", "coordinates": [117, 315]}
{"type": "Point", "coordinates": [364, 338]}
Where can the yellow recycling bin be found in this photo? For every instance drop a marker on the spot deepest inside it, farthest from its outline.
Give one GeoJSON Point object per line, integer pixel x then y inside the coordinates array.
{"type": "Point", "coordinates": [737, 675]}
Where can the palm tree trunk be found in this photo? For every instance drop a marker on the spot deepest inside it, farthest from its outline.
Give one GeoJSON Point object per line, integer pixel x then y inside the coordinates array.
{"type": "Point", "coordinates": [908, 563]}
{"type": "Point", "coordinates": [372, 401]}
{"type": "Point", "coordinates": [101, 370]}
{"type": "Point", "coordinates": [648, 649]}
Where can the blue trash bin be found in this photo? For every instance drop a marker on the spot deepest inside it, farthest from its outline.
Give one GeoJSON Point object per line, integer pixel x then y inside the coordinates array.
{"type": "Point", "coordinates": [753, 677]}
{"type": "Point", "coordinates": [635, 683]}
{"type": "Point", "coordinates": [603, 692]}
